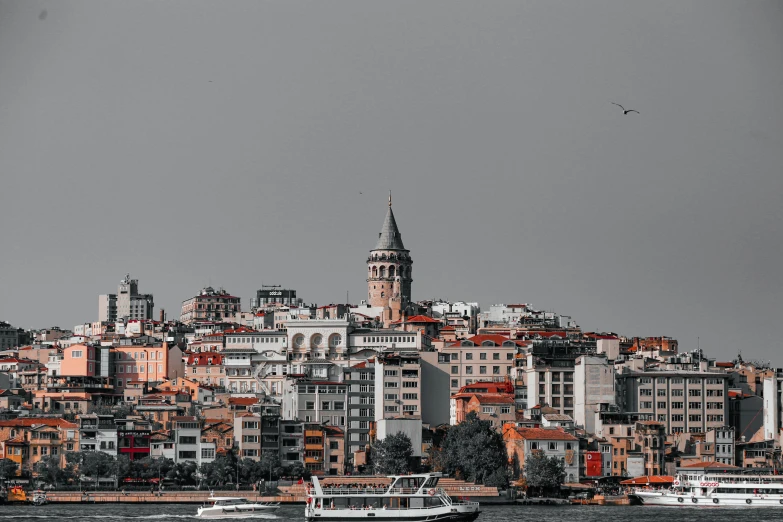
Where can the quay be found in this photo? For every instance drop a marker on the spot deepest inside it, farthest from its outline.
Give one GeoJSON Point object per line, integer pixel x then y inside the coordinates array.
{"type": "Point", "coordinates": [166, 497]}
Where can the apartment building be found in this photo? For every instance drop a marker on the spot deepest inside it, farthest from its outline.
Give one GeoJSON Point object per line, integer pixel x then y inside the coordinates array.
{"type": "Point", "coordinates": [684, 401]}
{"type": "Point", "coordinates": [98, 433]}
{"type": "Point", "coordinates": [142, 363]}
{"type": "Point", "coordinates": [27, 440]}
{"type": "Point", "coordinates": [360, 385]}
{"type": "Point", "coordinates": [649, 440]}
{"type": "Point", "coordinates": [190, 446]}
{"type": "Point", "coordinates": [210, 305]}
{"type": "Point", "coordinates": [480, 358]}
{"type": "Point", "coordinates": [291, 442]}
{"type": "Point", "coordinates": [397, 379]}
{"type": "Point", "coordinates": [313, 401]}
{"type": "Point", "coordinates": [334, 451]}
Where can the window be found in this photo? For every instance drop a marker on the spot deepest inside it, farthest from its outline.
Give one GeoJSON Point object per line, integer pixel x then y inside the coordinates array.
{"type": "Point", "coordinates": [646, 405]}
{"type": "Point", "coordinates": [325, 405]}
{"type": "Point", "coordinates": [454, 383]}
{"type": "Point", "coordinates": [694, 418]}
{"type": "Point", "coordinates": [483, 356]}
{"type": "Point", "coordinates": [505, 409]}
{"type": "Point", "coordinates": [534, 445]}
{"type": "Point", "coordinates": [310, 405]}
{"type": "Point", "coordinates": [454, 370]}
{"type": "Point", "coordinates": [661, 393]}
{"type": "Point", "coordinates": [695, 393]}
{"type": "Point", "coordinates": [410, 396]}
{"type": "Point", "coordinates": [468, 356]}
{"type": "Point", "coordinates": [553, 445]}
{"type": "Point", "coordinates": [677, 417]}
{"type": "Point", "coordinates": [390, 396]}
{"type": "Point", "coordinates": [391, 385]}
{"type": "Point", "coordinates": [645, 392]}
{"type": "Point", "coordinates": [676, 393]}
{"type": "Point", "coordinates": [482, 369]}
{"type": "Point", "coordinates": [661, 405]}
{"type": "Point", "coordinates": [77, 354]}
{"type": "Point", "coordinates": [694, 405]}
{"type": "Point", "coordinates": [496, 370]}
{"type": "Point", "coordinates": [487, 409]}
{"type": "Point", "coordinates": [469, 370]}
{"type": "Point", "coordinates": [495, 356]}
{"type": "Point", "coordinates": [187, 440]}
{"type": "Point", "coordinates": [207, 453]}
{"type": "Point", "coordinates": [410, 384]}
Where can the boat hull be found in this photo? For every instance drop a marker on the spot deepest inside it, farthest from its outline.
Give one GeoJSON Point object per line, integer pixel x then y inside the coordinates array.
{"type": "Point", "coordinates": [245, 512]}
{"type": "Point", "coordinates": [658, 499]}
{"type": "Point", "coordinates": [395, 517]}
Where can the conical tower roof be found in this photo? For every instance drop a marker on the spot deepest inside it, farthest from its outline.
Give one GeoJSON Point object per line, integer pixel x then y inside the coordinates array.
{"type": "Point", "coordinates": [390, 237]}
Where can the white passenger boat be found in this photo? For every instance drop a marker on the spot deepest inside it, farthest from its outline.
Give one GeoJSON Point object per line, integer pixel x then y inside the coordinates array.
{"type": "Point", "coordinates": [235, 507]}
{"type": "Point", "coordinates": [406, 498]}
{"type": "Point", "coordinates": [717, 489]}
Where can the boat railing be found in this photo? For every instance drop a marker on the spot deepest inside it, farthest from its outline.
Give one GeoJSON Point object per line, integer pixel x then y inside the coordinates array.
{"type": "Point", "coordinates": [354, 491]}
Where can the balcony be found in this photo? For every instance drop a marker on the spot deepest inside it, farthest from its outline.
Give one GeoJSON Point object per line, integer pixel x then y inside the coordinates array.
{"type": "Point", "coordinates": [314, 447]}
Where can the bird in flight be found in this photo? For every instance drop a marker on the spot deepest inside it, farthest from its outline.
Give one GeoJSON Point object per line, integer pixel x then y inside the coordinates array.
{"type": "Point", "coordinates": [361, 192]}
{"type": "Point", "coordinates": [625, 111]}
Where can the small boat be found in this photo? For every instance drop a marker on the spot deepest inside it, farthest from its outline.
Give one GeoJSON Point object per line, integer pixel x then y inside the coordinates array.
{"type": "Point", "coordinates": [39, 498]}
{"type": "Point", "coordinates": [408, 497]}
{"type": "Point", "coordinates": [235, 507]}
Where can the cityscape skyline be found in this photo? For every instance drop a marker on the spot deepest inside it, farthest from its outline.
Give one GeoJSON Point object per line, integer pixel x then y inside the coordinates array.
{"type": "Point", "coordinates": [229, 147]}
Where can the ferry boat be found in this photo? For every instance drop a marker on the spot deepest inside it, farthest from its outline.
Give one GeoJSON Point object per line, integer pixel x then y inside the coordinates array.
{"type": "Point", "coordinates": [719, 489]}
{"type": "Point", "coordinates": [234, 507]}
{"type": "Point", "coordinates": [406, 498]}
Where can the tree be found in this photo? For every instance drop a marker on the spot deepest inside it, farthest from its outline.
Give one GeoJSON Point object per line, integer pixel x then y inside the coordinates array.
{"type": "Point", "coordinates": [50, 471]}
{"type": "Point", "coordinates": [8, 468]}
{"type": "Point", "coordinates": [392, 455]}
{"type": "Point", "coordinates": [220, 471]}
{"type": "Point", "coordinates": [542, 472]}
{"type": "Point", "coordinates": [297, 470]}
{"type": "Point", "coordinates": [475, 451]}
{"type": "Point", "coordinates": [183, 473]}
{"type": "Point", "coordinates": [95, 464]}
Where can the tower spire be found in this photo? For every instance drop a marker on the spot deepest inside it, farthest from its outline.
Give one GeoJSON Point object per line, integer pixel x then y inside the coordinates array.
{"type": "Point", "coordinates": [390, 198]}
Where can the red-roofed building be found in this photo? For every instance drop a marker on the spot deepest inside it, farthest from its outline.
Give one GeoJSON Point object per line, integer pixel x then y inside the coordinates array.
{"type": "Point", "coordinates": [206, 368]}
{"type": "Point", "coordinates": [210, 305]}
{"type": "Point", "coordinates": [27, 440]}
{"type": "Point", "coordinates": [497, 408]}
{"type": "Point", "coordinates": [420, 323]}
{"type": "Point", "coordinates": [521, 442]}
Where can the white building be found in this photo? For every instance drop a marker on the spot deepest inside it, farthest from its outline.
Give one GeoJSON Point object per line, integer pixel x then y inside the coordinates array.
{"type": "Point", "coordinates": [593, 389]}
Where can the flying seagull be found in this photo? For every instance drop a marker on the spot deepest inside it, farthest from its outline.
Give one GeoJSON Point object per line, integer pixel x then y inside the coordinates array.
{"type": "Point", "coordinates": [623, 108]}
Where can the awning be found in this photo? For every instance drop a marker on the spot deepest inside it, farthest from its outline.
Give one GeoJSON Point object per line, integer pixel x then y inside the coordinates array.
{"type": "Point", "coordinates": [649, 480]}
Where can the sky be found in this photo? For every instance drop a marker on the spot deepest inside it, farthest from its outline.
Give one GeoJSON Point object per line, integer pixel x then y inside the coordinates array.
{"type": "Point", "coordinates": [236, 144]}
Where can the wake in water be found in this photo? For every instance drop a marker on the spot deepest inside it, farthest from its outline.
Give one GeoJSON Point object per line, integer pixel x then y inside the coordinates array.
{"type": "Point", "coordinates": [128, 517]}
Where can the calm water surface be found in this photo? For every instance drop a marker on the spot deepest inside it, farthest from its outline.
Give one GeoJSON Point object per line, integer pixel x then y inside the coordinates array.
{"type": "Point", "coordinates": [174, 512]}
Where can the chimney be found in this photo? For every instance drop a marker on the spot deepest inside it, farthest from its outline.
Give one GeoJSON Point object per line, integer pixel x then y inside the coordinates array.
{"type": "Point", "coordinates": [162, 315]}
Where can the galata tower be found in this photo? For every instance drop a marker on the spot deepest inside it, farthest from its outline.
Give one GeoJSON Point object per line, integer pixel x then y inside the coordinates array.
{"type": "Point", "coordinates": [389, 271]}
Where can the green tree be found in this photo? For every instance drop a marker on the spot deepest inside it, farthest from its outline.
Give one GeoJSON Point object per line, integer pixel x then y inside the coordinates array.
{"type": "Point", "coordinates": [392, 455]}
{"type": "Point", "coordinates": [475, 451]}
{"type": "Point", "coordinates": [8, 468]}
{"type": "Point", "coordinates": [220, 471]}
{"type": "Point", "coordinates": [183, 473]}
{"type": "Point", "coordinates": [297, 470]}
{"type": "Point", "coordinates": [543, 473]}
{"type": "Point", "coordinates": [50, 471]}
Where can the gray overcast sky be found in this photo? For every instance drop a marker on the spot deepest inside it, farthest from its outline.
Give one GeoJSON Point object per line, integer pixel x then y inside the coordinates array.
{"type": "Point", "coordinates": [191, 143]}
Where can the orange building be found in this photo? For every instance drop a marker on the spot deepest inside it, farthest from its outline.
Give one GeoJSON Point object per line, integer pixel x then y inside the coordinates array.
{"type": "Point", "coordinates": [147, 364]}
{"type": "Point", "coordinates": [27, 440]}
{"type": "Point", "coordinates": [78, 360]}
